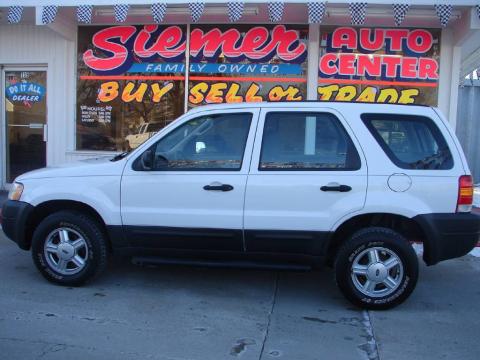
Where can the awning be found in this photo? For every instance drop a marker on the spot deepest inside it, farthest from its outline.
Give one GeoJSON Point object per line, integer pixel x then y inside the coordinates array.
{"type": "Point", "coordinates": [314, 10]}
{"type": "Point", "coordinates": [143, 2]}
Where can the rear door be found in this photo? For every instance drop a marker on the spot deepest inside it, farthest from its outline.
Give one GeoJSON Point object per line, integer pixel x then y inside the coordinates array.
{"type": "Point", "coordinates": [307, 172]}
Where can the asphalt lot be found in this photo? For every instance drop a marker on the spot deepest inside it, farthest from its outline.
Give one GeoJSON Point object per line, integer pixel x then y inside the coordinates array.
{"type": "Point", "coordinates": [180, 313]}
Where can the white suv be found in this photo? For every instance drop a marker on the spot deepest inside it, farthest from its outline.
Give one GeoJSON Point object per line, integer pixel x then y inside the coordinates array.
{"type": "Point", "coordinates": [265, 184]}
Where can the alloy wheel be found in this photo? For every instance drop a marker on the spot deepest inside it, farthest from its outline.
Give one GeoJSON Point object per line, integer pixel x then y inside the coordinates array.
{"type": "Point", "coordinates": [377, 272]}
{"type": "Point", "coordinates": [66, 251]}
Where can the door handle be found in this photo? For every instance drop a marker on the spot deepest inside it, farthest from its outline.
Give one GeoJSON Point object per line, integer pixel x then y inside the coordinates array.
{"type": "Point", "coordinates": [339, 188]}
{"type": "Point", "coordinates": [222, 187]}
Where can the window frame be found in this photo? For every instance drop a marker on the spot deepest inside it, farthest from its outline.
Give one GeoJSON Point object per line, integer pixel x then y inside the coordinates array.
{"type": "Point", "coordinates": [306, 112]}
{"type": "Point", "coordinates": [435, 132]}
{"type": "Point", "coordinates": [186, 119]}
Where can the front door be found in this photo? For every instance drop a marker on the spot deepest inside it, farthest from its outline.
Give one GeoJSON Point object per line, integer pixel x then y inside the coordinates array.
{"type": "Point", "coordinates": [24, 121]}
{"type": "Point", "coordinates": [189, 191]}
{"type": "Point", "coordinates": [307, 173]}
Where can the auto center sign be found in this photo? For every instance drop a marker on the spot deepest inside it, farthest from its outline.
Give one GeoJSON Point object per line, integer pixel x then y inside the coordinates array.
{"type": "Point", "coordinates": [368, 63]}
{"type": "Point", "coordinates": [379, 65]}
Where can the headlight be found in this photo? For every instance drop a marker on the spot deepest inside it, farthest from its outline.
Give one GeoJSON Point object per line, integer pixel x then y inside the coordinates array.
{"type": "Point", "coordinates": [15, 192]}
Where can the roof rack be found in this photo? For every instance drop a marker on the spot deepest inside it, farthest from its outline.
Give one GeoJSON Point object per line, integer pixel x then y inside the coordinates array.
{"type": "Point", "coordinates": [343, 102]}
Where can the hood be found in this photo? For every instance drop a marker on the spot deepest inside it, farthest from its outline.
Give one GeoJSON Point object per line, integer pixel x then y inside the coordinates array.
{"type": "Point", "coordinates": [99, 166]}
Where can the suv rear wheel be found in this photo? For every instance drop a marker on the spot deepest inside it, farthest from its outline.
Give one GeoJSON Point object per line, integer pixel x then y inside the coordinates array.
{"type": "Point", "coordinates": [376, 268]}
{"type": "Point", "coordinates": [69, 248]}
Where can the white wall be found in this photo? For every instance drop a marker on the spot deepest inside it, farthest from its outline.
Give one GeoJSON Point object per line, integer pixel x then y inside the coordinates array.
{"type": "Point", "coordinates": [449, 74]}
{"type": "Point", "coordinates": [39, 45]}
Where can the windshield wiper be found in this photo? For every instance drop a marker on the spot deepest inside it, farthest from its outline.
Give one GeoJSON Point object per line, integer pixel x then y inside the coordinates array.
{"type": "Point", "coordinates": [120, 156]}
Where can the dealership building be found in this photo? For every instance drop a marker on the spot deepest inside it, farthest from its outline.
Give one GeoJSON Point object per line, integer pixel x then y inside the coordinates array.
{"type": "Point", "coordinates": [82, 78]}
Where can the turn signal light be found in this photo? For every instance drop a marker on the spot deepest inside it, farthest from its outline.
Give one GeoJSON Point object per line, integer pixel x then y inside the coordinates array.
{"type": "Point", "coordinates": [16, 191]}
{"type": "Point", "coordinates": [465, 194]}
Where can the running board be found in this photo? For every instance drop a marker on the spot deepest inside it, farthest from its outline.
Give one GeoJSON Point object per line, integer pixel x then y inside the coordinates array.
{"type": "Point", "coordinates": [159, 260]}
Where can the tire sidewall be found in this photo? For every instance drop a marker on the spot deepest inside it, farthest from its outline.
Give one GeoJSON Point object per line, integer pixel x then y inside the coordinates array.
{"type": "Point", "coordinates": [391, 241]}
{"type": "Point", "coordinates": [77, 223]}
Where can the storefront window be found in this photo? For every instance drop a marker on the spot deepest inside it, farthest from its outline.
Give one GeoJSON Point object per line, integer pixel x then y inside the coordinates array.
{"type": "Point", "coordinates": [247, 63]}
{"type": "Point", "coordinates": [379, 65]}
{"type": "Point", "coordinates": [130, 84]}
{"type": "Point", "coordinates": [132, 79]}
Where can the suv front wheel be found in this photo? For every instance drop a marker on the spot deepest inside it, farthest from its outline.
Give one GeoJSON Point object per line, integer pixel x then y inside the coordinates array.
{"type": "Point", "coordinates": [376, 268]}
{"type": "Point", "coordinates": [69, 248]}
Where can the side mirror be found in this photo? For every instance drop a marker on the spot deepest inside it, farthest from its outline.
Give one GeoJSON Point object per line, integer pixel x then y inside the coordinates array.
{"type": "Point", "coordinates": [147, 160]}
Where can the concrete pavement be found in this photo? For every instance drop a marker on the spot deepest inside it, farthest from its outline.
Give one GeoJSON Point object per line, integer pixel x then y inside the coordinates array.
{"type": "Point", "coordinates": [180, 313]}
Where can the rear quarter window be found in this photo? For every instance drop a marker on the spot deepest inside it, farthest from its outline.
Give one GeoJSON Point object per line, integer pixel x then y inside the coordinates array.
{"type": "Point", "coordinates": [410, 141]}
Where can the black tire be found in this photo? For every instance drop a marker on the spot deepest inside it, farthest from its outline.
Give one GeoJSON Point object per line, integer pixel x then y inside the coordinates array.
{"type": "Point", "coordinates": [95, 242]}
{"type": "Point", "coordinates": [370, 238]}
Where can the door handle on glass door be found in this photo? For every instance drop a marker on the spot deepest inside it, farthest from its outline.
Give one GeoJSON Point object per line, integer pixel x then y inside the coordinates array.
{"type": "Point", "coordinates": [336, 187]}
{"type": "Point", "coordinates": [220, 187]}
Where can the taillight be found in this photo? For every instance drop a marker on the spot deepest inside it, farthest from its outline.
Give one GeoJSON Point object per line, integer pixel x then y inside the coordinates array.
{"type": "Point", "coordinates": [465, 194]}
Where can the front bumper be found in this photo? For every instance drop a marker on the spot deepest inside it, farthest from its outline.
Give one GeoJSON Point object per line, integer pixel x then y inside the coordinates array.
{"type": "Point", "coordinates": [448, 236]}
{"type": "Point", "coordinates": [15, 216]}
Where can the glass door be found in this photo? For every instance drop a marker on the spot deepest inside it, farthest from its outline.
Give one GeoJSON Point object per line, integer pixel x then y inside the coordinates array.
{"type": "Point", "coordinates": [25, 121]}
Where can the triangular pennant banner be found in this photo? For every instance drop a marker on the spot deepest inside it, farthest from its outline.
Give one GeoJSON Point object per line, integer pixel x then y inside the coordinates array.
{"type": "Point", "coordinates": [158, 11]}
{"type": "Point", "coordinates": [49, 13]}
{"type": "Point", "coordinates": [196, 10]}
{"type": "Point", "coordinates": [84, 13]}
{"type": "Point", "coordinates": [235, 10]}
{"type": "Point", "coordinates": [121, 12]}
{"type": "Point", "coordinates": [275, 10]}
{"type": "Point", "coordinates": [14, 14]}
{"type": "Point", "coordinates": [316, 11]}
{"type": "Point", "coordinates": [358, 12]}
{"type": "Point", "coordinates": [444, 12]}
{"type": "Point", "coordinates": [399, 12]}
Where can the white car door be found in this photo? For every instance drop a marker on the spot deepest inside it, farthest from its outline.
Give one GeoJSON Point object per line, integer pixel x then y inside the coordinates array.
{"type": "Point", "coordinates": [307, 172]}
{"type": "Point", "coordinates": [190, 194]}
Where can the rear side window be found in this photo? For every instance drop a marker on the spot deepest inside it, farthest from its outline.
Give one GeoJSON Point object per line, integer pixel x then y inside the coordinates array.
{"type": "Point", "coordinates": [410, 141]}
{"type": "Point", "coordinates": [306, 141]}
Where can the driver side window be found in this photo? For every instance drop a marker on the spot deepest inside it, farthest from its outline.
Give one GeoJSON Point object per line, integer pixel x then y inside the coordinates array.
{"type": "Point", "coordinates": [212, 142]}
